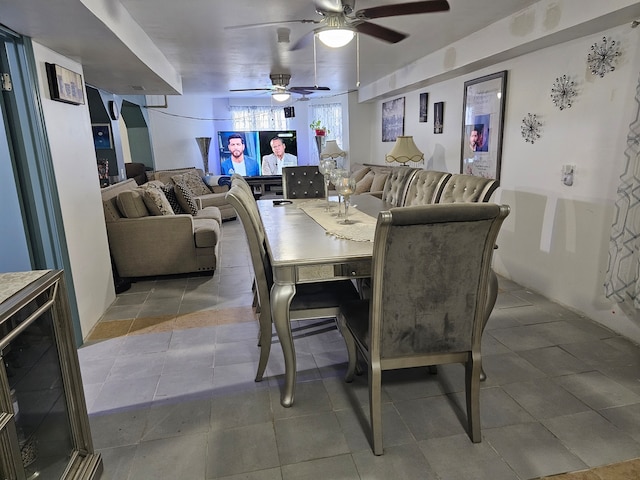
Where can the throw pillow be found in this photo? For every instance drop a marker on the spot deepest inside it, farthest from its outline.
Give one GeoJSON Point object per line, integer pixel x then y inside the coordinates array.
{"type": "Point", "coordinates": [185, 198]}
{"type": "Point", "coordinates": [170, 193]}
{"type": "Point", "coordinates": [193, 181]}
{"type": "Point", "coordinates": [364, 184]}
{"type": "Point", "coordinates": [131, 204]}
{"type": "Point", "coordinates": [378, 182]}
{"type": "Point", "coordinates": [155, 200]}
{"type": "Point", "coordinates": [360, 173]}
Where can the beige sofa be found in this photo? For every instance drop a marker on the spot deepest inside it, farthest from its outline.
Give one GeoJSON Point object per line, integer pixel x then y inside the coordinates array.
{"type": "Point", "coordinates": [143, 242]}
{"type": "Point", "coordinates": [216, 198]}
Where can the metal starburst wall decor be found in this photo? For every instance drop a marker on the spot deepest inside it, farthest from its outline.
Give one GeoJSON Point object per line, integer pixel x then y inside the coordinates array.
{"type": "Point", "coordinates": [603, 56]}
{"type": "Point", "coordinates": [562, 92]}
{"type": "Point", "coordinates": [530, 128]}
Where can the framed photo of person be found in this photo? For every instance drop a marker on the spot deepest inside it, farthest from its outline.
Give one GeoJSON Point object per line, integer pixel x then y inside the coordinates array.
{"type": "Point", "coordinates": [482, 125]}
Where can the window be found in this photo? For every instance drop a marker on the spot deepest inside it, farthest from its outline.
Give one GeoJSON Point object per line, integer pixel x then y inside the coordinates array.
{"type": "Point", "coordinates": [330, 116]}
{"type": "Point", "coordinates": [258, 118]}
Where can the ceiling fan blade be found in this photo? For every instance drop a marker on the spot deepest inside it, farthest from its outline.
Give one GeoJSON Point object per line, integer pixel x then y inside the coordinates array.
{"type": "Point", "coordinates": [380, 32]}
{"type": "Point", "coordinates": [267, 24]}
{"type": "Point", "coordinates": [309, 89]}
{"type": "Point", "coordinates": [411, 8]}
{"type": "Point", "coordinates": [251, 89]}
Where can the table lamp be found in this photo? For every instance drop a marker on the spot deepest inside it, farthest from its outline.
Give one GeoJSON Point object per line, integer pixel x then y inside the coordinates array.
{"type": "Point", "coordinates": [404, 151]}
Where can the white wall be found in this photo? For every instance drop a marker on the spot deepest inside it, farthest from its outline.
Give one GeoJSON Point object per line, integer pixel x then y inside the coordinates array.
{"type": "Point", "coordinates": [74, 162]}
{"type": "Point", "coordinates": [556, 239]}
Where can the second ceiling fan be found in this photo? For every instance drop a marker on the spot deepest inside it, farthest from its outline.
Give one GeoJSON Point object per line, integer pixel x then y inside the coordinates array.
{"type": "Point", "coordinates": [280, 86]}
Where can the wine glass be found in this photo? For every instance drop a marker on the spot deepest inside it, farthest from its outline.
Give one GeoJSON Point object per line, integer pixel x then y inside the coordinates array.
{"type": "Point", "coordinates": [325, 167]}
{"type": "Point", "coordinates": [337, 174]}
{"type": "Point", "coordinates": [346, 186]}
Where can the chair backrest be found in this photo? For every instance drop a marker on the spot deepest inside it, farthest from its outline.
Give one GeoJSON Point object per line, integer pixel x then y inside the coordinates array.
{"type": "Point", "coordinates": [302, 182]}
{"type": "Point", "coordinates": [395, 186]}
{"type": "Point", "coordinates": [430, 278]}
{"type": "Point", "coordinates": [239, 180]}
{"type": "Point", "coordinates": [467, 188]}
{"type": "Point", "coordinates": [425, 186]}
{"type": "Point", "coordinates": [247, 209]}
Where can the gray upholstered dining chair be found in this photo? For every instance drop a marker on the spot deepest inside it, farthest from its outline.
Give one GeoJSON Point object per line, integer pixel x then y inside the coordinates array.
{"type": "Point", "coordinates": [304, 181]}
{"type": "Point", "coordinates": [425, 187]}
{"type": "Point", "coordinates": [395, 186]}
{"type": "Point", "coordinates": [430, 274]}
{"type": "Point", "coordinates": [466, 188]}
{"type": "Point", "coordinates": [469, 188]}
{"type": "Point", "coordinates": [312, 300]}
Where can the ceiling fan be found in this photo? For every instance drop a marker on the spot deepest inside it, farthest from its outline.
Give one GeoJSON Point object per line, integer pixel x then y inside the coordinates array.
{"type": "Point", "coordinates": [280, 88]}
{"type": "Point", "coordinates": [339, 15]}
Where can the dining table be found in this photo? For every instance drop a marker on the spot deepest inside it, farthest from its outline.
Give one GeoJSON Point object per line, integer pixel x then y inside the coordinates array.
{"type": "Point", "coordinates": [307, 244]}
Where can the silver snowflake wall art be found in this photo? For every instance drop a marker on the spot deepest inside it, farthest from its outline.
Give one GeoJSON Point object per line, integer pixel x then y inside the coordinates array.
{"type": "Point", "coordinates": [603, 57]}
{"type": "Point", "coordinates": [530, 128]}
{"type": "Point", "coordinates": [562, 92]}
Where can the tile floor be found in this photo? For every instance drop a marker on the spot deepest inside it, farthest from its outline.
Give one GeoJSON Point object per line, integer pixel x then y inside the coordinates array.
{"type": "Point", "coordinates": [168, 376]}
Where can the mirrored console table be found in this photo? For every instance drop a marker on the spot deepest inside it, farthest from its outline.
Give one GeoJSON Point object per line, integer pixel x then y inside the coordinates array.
{"type": "Point", "coordinates": [44, 426]}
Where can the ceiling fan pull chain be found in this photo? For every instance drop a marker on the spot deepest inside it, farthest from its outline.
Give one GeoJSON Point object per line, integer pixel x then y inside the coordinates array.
{"type": "Point", "coordinates": [357, 60]}
{"type": "Point", "coordinates": [315, 63]}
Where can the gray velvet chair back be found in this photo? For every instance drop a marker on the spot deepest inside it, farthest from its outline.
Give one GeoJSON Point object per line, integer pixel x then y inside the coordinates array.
{"type": "Point", "coordinates": [425, 186]}
{"type": "Point", "coordinates": [430, 272]}
{"type": "Point", "coordinates": [242, 183]}
{"type": "Point", "coordinates": [467, 188]}
{"type": "Point", "coordinates": [302, 182]}
{"type": "Point", "coordinates": [395, 186]}
{"type": "Point", "coordinates": [430, 276]}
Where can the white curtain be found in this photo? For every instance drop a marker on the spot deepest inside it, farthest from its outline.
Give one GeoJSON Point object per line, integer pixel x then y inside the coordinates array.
{"type": "Point", "coordinates": [330, 116]}
{"type": "Point", "coordinates": [258, 118]}
{"type": "Point", "coordinates": [622, 280]}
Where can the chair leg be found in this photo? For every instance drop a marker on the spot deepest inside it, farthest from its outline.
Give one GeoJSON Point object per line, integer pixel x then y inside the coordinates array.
{"type": "Point", "coordinates": [492, 296]}
{"type": "Point", "coordinates": [352, 351]}
{"type": "Point", "coordinates": [375, 406]}
{"type": "Point", "coordinates": [472, 387]}
{"type": "Point", "coordinates": [264, 343]}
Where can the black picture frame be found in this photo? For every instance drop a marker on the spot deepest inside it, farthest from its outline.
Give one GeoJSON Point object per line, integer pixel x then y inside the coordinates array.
{"type": "Point", "coordinates": [438, 117]}
{"type": "Point", "coordinates": [102, 139]}
{"type": "Point", "coordinates": [392, 119]}
{"type": "Point", "coordinates": [424, 107]}
{"type": "Point", "coordinates": [65, 85]}
{"type": "Point", "coordinates": [482, 125]}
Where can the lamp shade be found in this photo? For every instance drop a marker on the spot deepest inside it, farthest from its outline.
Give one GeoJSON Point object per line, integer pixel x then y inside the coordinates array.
{"type": "Point", "coordinates": [404, 151]}
{"type": "Point", "coordinates": [332, 150]}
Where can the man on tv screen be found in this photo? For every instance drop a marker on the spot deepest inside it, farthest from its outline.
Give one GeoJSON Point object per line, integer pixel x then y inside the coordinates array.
{"type": "Point", "coordinates": [272, 164]}
{"type": "Point", "coordinates": [238, 162]}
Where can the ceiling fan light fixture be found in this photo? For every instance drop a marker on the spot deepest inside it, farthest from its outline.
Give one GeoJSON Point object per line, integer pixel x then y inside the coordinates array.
{"type": "Point", "coordinates": [281, 96]}
{"type": "Point", "coordinates": [336, 37]}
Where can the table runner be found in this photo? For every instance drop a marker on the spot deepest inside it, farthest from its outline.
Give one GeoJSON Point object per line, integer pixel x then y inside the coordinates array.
{"type": "Point", "coordinates": [361, 230]}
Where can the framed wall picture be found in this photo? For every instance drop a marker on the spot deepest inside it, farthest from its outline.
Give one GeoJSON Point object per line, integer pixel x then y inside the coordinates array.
{"type": "Point", "coordinates": [392, 119]}
{"type": "Point", "coordinates": [64, 85]}
{"type": "Point", "coordinates": [438, 117]}
{"type": "Point", "coordinates": [424, 107]}
{"type": "Point", "coordinates": [482, 125]}
{"type": "Point", "coordinates": [102, 139]}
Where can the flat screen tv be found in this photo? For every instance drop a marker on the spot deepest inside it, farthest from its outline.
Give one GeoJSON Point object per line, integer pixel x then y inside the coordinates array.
{"type": "Point", "coordinates": [256, 145]}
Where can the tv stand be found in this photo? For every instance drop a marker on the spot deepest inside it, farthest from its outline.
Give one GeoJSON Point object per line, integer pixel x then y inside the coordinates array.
{"type": "Point", "coordinates": [265, 183]}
